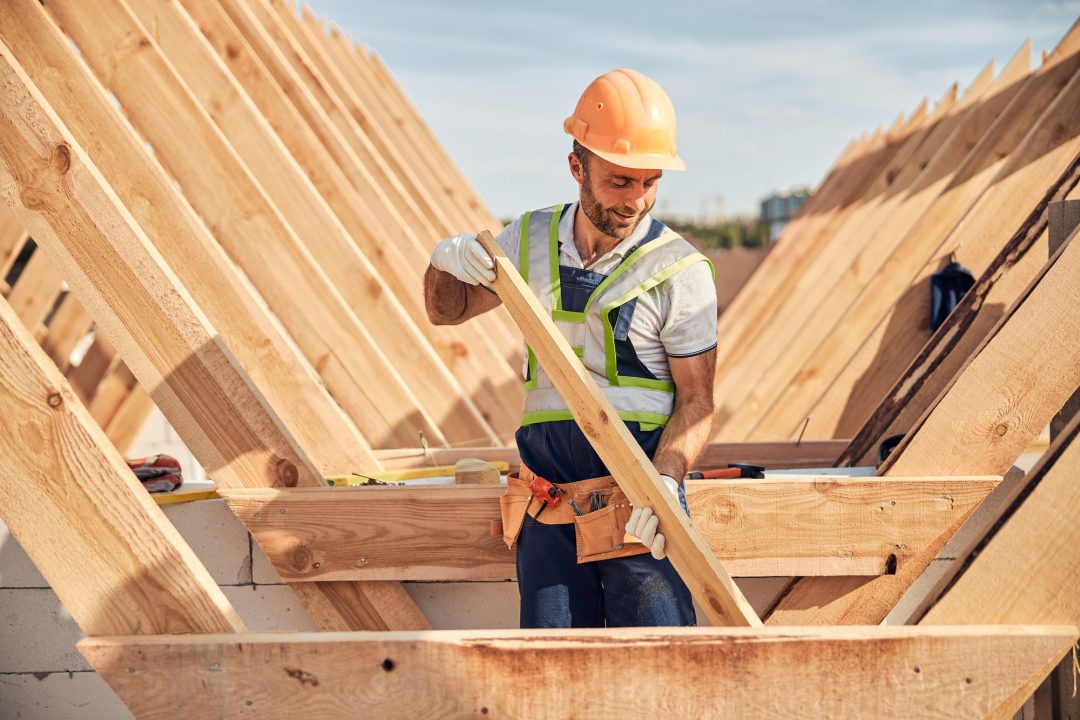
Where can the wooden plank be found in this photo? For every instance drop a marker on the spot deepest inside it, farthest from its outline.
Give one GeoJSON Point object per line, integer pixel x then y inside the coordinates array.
{"type": "Point", "coordinates": [994, 407]}
{"type": "Point", "coordinates": [1012, 385]}
{"type": "Point", "coordinates": [128, 420]}
{"type": "Point", "coordinates": [168, 344]}
{"type": "Point", "coordinates": [772, 455]}
{"type": "Point", "coordinates": [317, 227]}
{"type": "Point", "coordinates": [1027, 565]}
{"type": "Point", "coordinates": [1002, 180]}
{"type": "Point", "coordinates": [247, 224]}
{"type": "Point", "coordinates": [710, 585]}
{"type": "Point", "coordinates": [86, 376]}
{"type": "Point", "coordinates": [755, 528]}
{"type": "Point", "coordinates": [858, 250]}
{"type": "Point", "coordinates": [322, 428]}
{"type": "Point", "coordinates": [36, 290]}
{"type": "Point", "coordinates": [359, 202]}
{"type": "Point", "coordinates": [69, 325]}
{"type": "Point", "coordinates": [267, 354]}
{"type": "Point", "coordinates": [65, 487]}
{"type": "Point", "coordinates": [162, 336]}
{"type": "Point", "coordinates": [878, 672]}
{"type": "Point", "coordinates": [786, 313]}
{"type": "Point", "coordinates": [1007, 277]}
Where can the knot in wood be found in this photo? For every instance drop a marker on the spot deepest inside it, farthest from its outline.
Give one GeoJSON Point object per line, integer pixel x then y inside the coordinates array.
{"type": "Point", "coordinates": [1001, 429]}
{"type": "Point", "coordinates": [55, 400]}
{"type": "Point", "coordinates": [301, 559]}
{"type": "Point", "coordinates": [61, 159]}
{"type": "Point", "coordinates": [287, 473]}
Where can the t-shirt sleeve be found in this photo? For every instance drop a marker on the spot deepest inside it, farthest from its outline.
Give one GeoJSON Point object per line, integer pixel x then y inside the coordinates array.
{"type": "Point", "coordinates": [689, 327]}
{"type": "Point", "coordinates": [510, 240]}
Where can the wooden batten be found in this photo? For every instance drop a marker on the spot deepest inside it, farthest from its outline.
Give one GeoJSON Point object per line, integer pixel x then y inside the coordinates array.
{"type": "Point", "coordinates": [879, 672]}
{"type": "Point", "coordinates": [755, 528]}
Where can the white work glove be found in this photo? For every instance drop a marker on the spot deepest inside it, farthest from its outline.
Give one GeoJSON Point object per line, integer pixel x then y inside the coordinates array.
{"type": "Point", "coordinates": [465, 258]}
{"type": "Point", "coordinates": [642, 523]}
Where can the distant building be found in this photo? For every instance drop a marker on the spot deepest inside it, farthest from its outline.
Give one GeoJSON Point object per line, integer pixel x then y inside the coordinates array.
{"type": "Point", "coordinates": [781, 206]}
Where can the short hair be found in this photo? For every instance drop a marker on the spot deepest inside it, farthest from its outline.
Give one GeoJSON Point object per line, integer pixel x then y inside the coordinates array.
{"type": "Point", "coordinates": [583, 154]}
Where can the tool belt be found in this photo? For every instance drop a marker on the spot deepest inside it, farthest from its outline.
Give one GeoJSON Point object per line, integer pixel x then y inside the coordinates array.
{"type": "Point", "coordinates": [601, 533]}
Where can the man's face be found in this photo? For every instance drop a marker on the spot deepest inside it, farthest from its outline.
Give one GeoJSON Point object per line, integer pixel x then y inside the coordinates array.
{"type": "Point", "coordinates": [614, 198]}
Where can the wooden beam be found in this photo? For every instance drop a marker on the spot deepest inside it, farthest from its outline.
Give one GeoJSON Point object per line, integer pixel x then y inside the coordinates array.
{"type": "Point", "coordinates": [35, 291]}
{"type": "Point", "coordinates": [246, 222]}
{"type": "Point", "coordinates": [62, 486]}
{"type": "Point", "coordinates": [1028, 565]}
{"type": "Point", "coordinates": [872, 672]}
{"type": "Point", "coordinates": [755, 528]}
{"type": "Point", "coordinates": [772, 455]}
{"type": "Point", "coordinates": [710, 585]}
{"type": "Point", "coordinates": [318, 229]}
{"type": "Point", "coordinates": [161, 333]}
{"type": "Point", "coordinates": [995, 406]}
{"type": "Point", "coordinates": [266, 352]}
{"type": "Point", "coordinates": [1002, 180]}
{"type": "Point", "coordinates": [1006, 278]}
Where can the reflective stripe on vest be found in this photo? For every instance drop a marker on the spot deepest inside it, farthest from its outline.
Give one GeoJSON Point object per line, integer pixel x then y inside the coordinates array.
{"type": "Point", "coordinates": [590, 332]}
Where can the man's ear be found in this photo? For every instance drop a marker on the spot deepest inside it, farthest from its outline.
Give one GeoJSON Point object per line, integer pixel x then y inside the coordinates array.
{"type": "Point", "coordinates": [576, 170]}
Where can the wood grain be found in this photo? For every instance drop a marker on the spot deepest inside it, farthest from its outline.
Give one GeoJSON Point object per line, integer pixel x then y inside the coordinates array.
{"type": "Point", "coordinates": [756, 528]}
{"type": "Point", "coordinates": [878, 672]}
{"type": "Point", "coordinates": [65, 487]}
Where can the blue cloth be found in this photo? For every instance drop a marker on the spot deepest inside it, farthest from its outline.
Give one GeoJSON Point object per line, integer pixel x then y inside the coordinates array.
{"type": "Point", "coordinates": [557, 592]}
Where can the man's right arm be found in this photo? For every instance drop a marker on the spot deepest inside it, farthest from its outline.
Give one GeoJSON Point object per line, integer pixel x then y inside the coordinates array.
{"type": "Point", "coordinates": [450, 301]}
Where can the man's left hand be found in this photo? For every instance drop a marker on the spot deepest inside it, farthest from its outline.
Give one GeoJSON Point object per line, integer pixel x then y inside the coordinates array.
{"type": "Point", "coordinates": [643, 523]}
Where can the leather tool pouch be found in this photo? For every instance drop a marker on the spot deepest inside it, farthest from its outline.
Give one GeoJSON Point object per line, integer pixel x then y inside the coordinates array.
{"type": "Point", "coordinates": [601, 534]}
{"type": "Point", "coordinates": [513, 509]}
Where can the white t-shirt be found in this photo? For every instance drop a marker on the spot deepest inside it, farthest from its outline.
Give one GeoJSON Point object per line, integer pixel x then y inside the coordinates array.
{"type": "Point", "coordinates": [675, 319]}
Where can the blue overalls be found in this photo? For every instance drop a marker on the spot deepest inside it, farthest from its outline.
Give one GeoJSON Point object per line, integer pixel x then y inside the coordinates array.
{"type": "Point", "coordinates": [556, 591]}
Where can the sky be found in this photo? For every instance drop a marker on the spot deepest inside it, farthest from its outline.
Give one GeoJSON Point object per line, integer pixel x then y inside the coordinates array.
{"type": "Point", "coordinates": [767, 93]}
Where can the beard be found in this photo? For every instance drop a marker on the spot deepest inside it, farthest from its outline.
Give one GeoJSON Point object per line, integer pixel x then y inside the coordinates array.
{"type": "Point", "coordinates": [615, 222]}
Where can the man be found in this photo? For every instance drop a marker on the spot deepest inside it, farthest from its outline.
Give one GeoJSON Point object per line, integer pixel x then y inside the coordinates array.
{"type": "Point", "coordinates": [638, 304]}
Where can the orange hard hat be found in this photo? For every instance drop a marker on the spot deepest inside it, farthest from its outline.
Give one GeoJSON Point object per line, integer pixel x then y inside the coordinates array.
{"type": "Point", "coordinates": [628, 119]}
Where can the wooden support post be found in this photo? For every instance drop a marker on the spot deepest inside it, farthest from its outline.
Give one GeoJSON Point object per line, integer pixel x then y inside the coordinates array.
{"type": "Point", "coordinates": [113, 558]}
{"type": "Point", "coordinates": [795, 525]}
{"type": "Point", "coordinates": [1063, 221]}
{"type": "Point", "coordinates": [912, 673]}
{"type": "Point", "coordinates": [162, 334]}
{"type": "Point", "coordinates": [710, 585]}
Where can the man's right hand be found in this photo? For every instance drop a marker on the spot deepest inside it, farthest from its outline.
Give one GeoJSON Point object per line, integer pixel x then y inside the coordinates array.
{"type": "Point", "coordinates": [465, 258]}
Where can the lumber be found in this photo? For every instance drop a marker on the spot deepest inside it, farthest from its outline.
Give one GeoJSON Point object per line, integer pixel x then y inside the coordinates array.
{"type": "Point", "coordinates": [857, 251]}
{"type": "Point", "coordinates": [878, 672]}
{"type": "Point", "coordinates": [1012, 385]}
{"type": "Point", "coordinates": [772, 455]}
{"type": "Point", "coordinates": [69, 325]}
{"type": "Point", "coordinates": [125, 284]}
{"type": "Point", "coordinates": [709, 583]}
{"type": "Point", "coordinates": [246, 222]}
{"type": "Point", "coordinates": [1027, 565]}
{"type": "Point", "coordinates": [999, 401]}
{"type": "Point", "coordinates": [787, 526]}
{"type": "Point", "coordinates": [354, 199]}
{"type": "Point", "coordinates": [268, 356]}
{"type": "Point", "coordinates": [1010, 273]}
{"type": "Point", "coordinates": [35, 291]}
{"type": "Point", "coordinates": [318, 229]}
{"type": "Point", "coordinates": [788, 311]}
{"type": "Point", "coordinates": [983, 204]}
{"type": "Point", "coordinates": [64, 486]}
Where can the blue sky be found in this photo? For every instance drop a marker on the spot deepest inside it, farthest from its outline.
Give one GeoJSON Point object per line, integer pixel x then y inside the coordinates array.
{"type": "Point", "coordinates": [767, 93]}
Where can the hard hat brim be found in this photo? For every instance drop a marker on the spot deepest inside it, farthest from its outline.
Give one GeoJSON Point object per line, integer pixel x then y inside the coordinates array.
{"type": "Point", "coordinates": [642, 161]}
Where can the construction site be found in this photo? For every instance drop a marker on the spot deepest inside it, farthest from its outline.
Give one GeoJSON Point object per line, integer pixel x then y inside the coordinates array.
{"type": "Point", "coordinates": [218, 219]}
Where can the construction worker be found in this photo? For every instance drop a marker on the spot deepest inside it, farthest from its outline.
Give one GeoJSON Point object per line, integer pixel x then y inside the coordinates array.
{"type": "Point", "coordinates": [638, 304]}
